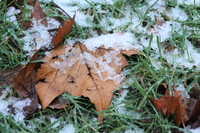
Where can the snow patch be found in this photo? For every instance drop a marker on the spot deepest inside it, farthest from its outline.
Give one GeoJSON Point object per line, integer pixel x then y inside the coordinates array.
{"type": "Point", "coordinates": [4, 102]}
{"type": "Point", "coordinates": [38, 36]}
{"type": "Point", "coordinates": [189, 58]}
{"type": "Point", "coordinates": [18, 109]}
{"type": "Point", "coordinates": [117, 41]}
{"type": "Point", "coordinates": [53, 120]}
{"type": "Point", "coordinates": [69, 128]}
{"type": "Point", "coordinates": [163, 32]}
{"type": "Point", "coordinates": [189, 2]}
{"type": "Point", "coordinates": [177, 14]}
{"type": "Point", "coordinates": [196, 130]}
{"type": "Point", "coordinates": [11, 12]}
{"type": "Point", "coordinates": [121, 106]}
{"type": "Point", "coordinates": [184, 93]}
{"type": "Point", "coordinates": [134, 129]}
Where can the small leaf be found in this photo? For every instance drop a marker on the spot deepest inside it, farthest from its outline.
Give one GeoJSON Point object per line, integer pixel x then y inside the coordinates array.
{"type": "Point", "coordinates": [63, 31]}
{"type": "Point", "coordinates": [6, 76]}
{"type": "Point", "coordinates": [39, 14]}
{"type": "Point", "coordinates": [172, 105]}
{"type": "Point", "coordinates": [24, 82]}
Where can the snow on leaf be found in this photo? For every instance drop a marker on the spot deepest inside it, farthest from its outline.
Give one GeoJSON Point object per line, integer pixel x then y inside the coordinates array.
{"type": "Point", "coordinates": [63, 31]}
{"type": "Point", "coordinates": [172, 105]}
{"type": "Point", "coordinates": [79, 71]}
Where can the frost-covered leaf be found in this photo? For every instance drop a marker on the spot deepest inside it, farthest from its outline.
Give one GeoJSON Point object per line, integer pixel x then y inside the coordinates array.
{"type": "Point", "coordinates": [79, 71]}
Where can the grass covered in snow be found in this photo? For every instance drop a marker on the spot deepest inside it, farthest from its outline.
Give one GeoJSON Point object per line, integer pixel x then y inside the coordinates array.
{"type": "Point", "coordinates": [167, 33]}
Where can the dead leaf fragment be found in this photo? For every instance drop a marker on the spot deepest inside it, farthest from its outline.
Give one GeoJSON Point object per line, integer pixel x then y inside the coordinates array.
{"type": "Point", "coordinates": [172, 105]}
{"type": "Point", "coordinates": [6, 76]}
{"type": "Point", "coordinates": [59, 103]}
{"type": "Point", "coordinates": [63, 31]}
{"type": "Point", "coordinates": [78, 71]}
{"type": "Point", "coordinates": [24, 82]}
{"type": "Point", "coordinates": [39, 14]}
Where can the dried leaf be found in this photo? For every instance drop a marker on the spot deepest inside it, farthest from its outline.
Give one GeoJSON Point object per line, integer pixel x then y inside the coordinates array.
{"type": "Point", "coordinates": [194, 113]}
{"type": "Point", "coordinates": [38, 13]}
{"type": "Point", "coordinates": [63, 31]}
{"type": "Point", "coordinates": [6, 76]}
{"type": "Point", "coordinates": [76, 70]}
{"type": "Point", "coordinates": [24, 82]}
{"type": "Point", "coordinates": [195, 91]}
{"type": "Point", "coordinates": [172, 105]}
{"type": "Point", "coordinates": [59, 103]}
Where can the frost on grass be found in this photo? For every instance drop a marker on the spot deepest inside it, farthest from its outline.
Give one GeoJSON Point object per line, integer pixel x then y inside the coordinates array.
{"type": "Point", "coordinates": [134, 129]}
{"type": "Point", "coordinates": [189, 2]}
{"type": "Point", "coordinates": [54, 121]}
{"type": "Point", "coordinates": [120, 106]}
{"type": "Point", "coordinates": [69, 128]}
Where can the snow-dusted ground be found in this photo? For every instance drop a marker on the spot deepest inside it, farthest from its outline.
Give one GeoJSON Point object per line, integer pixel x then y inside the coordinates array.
{"type": "Point", "coordinates": [187, 58]}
